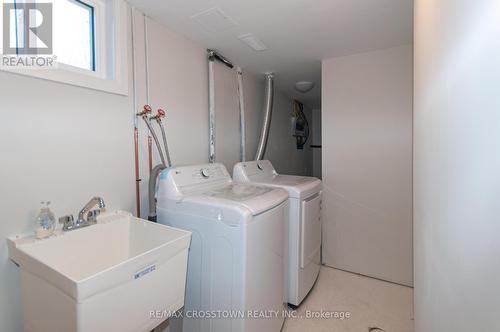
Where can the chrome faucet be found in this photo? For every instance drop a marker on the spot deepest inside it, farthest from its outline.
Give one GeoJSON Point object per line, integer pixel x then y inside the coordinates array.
{"type": "Point", "coordinates": [86, 216]}
{"type": "Point", "coordinates": [92, 203]}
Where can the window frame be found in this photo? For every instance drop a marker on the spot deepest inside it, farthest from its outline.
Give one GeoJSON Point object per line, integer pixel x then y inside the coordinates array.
{"type": "Point", "coordinates": [110, 72]}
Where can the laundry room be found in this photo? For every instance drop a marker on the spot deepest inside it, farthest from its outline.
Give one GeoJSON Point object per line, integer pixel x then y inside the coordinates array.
{"type": "Point", "coordinates": [220, 166]}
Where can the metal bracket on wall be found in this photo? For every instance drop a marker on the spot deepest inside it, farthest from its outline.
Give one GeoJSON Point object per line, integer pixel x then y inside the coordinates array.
{"type": "Point", "coordinates": [241, 97]}
{"type": "Point", "coordinates": [211, 110]}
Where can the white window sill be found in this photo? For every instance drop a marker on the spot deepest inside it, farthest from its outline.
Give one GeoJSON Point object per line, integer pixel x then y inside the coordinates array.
{"type": "Point", "coordinates": [73, 77]}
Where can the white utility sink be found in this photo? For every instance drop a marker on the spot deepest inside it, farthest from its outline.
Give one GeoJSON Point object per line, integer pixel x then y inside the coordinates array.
{"type": "Point", "coordinates": [106, 277]}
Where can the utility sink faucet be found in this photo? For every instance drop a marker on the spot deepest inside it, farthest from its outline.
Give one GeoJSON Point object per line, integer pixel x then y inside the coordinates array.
{"type": "Point", "coordinates": [92, 203]}
{"type": "Point", "coordinates": [86, 217]}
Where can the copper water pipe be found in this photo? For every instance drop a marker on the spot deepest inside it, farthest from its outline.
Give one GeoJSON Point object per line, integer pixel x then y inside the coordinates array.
{"type": "Point", "coordinates": [137, 178]}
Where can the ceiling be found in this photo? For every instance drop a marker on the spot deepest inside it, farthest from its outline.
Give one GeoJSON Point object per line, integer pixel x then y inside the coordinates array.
{"type": "Point", "coordinates": [298, 33]}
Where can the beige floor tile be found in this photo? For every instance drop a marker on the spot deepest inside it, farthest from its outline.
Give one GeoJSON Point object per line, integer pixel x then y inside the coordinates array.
{"type": "Point", "coordinates": [370, 302]}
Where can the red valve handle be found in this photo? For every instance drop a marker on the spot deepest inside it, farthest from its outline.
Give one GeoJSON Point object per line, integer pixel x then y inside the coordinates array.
{"type": "Point", "coordinates": [161, 113]}
{"type": "Point", "coordinates": [147, 109]}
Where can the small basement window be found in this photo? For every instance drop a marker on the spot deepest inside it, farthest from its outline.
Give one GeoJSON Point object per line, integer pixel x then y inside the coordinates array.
{"type": "Point", "coordinates": [74, 34]}
{"type": "Point", "coordinates": [87, 38]}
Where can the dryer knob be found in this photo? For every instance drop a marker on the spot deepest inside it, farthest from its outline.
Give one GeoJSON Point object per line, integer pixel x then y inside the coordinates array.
{"type": "Point", "coordinates": [204, 172]}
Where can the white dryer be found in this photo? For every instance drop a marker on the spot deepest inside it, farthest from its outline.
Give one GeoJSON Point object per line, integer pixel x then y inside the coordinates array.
{"type": "Point", "coordinates": [304, 227]}
{"type": "Point", "coordinates": [236, 263]}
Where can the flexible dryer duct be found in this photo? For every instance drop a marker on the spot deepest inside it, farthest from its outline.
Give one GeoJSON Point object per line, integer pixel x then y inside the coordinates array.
{"type": "Point", "coordinates": [268, 111]}
{"type": "Point", "coordinates": [155, 172]}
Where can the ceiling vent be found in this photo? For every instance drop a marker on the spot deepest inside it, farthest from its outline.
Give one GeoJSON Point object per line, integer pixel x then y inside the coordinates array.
{"type": "Point", "coordinates": [253, 42]}
{"type": "Point", "coordinates": [214, 20]}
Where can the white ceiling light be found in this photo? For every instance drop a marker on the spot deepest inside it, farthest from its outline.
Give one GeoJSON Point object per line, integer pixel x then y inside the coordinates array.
{"type": "Point", "coordinates": [253, 42]}
{"type": "Point", "coordinates": [304, 86]}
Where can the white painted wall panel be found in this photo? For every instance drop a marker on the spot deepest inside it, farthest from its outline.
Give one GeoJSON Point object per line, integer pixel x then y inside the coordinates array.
{"type": "Point", "coordinates": [227, 116]}
{"type": "Point", "coordinates": [457, 165]}
{"type": "Point", "coordinates": [253, 86]}
{"type": "Point", "coordinates": [367, 163]}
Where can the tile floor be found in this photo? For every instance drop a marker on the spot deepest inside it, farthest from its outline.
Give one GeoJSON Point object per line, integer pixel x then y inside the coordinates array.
{"type": "Point", "coordinates": [370, 302]}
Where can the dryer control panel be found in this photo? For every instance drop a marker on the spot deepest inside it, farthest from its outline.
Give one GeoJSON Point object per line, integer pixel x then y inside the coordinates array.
{"type": "Point", "coordinates": [254, 170]}
{"type": "Point", "coordinates": [176, 182]}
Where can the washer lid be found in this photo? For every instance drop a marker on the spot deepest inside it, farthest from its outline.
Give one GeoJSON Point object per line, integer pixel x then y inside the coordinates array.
{"type": "Point", "coordinates": [209, 186]}
{"type": "Point", "coordinates": [238, 192]}
{"type": "Point", "coordinates": [257, 199]}
{"type": "Point", "coordinates": [262, 172]}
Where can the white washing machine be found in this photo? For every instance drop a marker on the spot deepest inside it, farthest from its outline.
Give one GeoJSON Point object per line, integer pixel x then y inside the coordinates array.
{"type": "Point", "coordinates": [304, 227]}
{"type": "Point", "coordinates": [236, 263]}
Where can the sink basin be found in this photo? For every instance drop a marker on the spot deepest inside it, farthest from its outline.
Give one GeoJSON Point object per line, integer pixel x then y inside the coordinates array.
{"type": "Point", "coordinates": [110, 276]}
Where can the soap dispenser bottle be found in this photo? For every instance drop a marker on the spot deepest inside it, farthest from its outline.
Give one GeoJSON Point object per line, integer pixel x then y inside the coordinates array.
{"type": "Point", "coordinates": [45, 222]}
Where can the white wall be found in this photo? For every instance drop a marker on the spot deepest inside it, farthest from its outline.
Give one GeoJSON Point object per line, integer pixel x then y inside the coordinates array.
{"type": "Point", "coordinates": [457, 165]}
{"type": "Point", "coordinates": [58, 143]}
{"type": "Point", "coordinates": [178, 84]}
{"type": "Point", "coordinates": [227, 116]}
{"type": "Point", "coordinates": [66, 143]}
{"type": "Point", "coordinates": [367, 163]}
{"type": "Point", "coordinates": [253, 86]}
